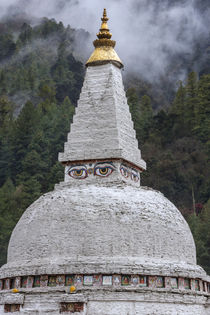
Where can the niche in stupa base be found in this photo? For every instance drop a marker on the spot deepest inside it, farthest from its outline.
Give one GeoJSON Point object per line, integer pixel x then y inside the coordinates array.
{"type": "Point", "coordinates": [60, 280]}
{"type": "Point", "coordinates": [7, 284]}
{"type": "Point", "coordinates": [69, 280]}
{"type": "Point", "coordinates": [88, 280]}
{"type": "Point", "coordinates": [155, 282]}
{"type": "Point", "coordinates": [37, 281]}
{"type": "Point", "coordinates": [52, 281]}
{"type": "Point", "coordinates": [78, 281]}
{"type": "Point", "coordinates": [72, 307]}
{"type": "Point", "coordinates": [107, 280]}
{"type": "Point", "coordinates": [11, 308]}
{"type": "Point", "coordinates": [102, 171]}
{"type": "Point", "coordinates": [30, 282]}
{"type": "Point", "coordinates": [24, 282]}
{"type": "Point", "coordinates": [43, 281]}
{"type": "Point", "coordinates": [97, 280]}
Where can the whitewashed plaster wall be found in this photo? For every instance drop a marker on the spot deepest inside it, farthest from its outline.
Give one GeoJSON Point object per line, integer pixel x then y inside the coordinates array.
{"type": "Point", "coordinates": [102, 125]}
{"type": "Point", "coordinates": [93, 228]}
{"type": "Point", "coordinates": [114, 304]}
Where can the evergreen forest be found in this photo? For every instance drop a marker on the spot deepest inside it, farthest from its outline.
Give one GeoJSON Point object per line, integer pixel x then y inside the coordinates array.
{"type": "Point", "coordinates": [40, 82]}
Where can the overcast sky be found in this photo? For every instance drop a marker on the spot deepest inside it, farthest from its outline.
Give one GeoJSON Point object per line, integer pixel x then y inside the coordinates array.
{"type": "Point", "coordinates": [146, 33]}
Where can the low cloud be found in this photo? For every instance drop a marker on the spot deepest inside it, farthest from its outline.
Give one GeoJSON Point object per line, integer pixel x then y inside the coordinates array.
{"type": "Point", "coordinates": [148, 33]}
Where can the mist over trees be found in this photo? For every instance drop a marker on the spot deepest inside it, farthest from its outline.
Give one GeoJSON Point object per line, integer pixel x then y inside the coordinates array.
{"type": "Point", "coordinates": [40, 82]}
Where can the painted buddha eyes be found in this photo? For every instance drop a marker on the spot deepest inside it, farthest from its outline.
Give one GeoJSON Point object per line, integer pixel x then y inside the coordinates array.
{"type": "Point", "coordinates": [103, 171]}
{"type": "Point", "coordinates": [78, 173]}
{"type": "Point", "coordinates": [124, 172]}
{"type": "Point", "coordinates": [100, 169]}
{"type": "Point", "coordinates": [129, 173]}
{"type": "Point", "coordinates": [134, 176]}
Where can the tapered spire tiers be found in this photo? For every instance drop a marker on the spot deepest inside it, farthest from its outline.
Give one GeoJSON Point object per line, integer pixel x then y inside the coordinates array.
{"type": "Point", "coordinates": [104, 47]}
{"type": "Point", "coordinates": [102, 139]}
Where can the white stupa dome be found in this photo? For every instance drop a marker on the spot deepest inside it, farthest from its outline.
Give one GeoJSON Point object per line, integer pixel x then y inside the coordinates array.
{"type": "Point", "coordinates": [103, 228]}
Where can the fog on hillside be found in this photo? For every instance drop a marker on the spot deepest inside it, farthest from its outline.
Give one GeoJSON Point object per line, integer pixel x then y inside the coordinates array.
{"type": "Point", "coordinates": [148, 33]}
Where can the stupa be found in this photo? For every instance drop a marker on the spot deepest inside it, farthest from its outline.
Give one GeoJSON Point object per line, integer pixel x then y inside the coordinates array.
{"type": "Point", "coordinates": [100, 243]}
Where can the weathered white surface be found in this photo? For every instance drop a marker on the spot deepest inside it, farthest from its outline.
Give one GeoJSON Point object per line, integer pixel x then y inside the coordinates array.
{"type": "Point", "coordinates": [143, 308]}
{"type": "Point", "coordinates": [102, 127]}
{"type": "Point", "coordinates": [208, 306]}
{"type": "Point", "coordinates": [111, 303]}
{"type": "Point", "coordinates": [11, 298]}
{"type": "Point", "coordinates": [102, 229]}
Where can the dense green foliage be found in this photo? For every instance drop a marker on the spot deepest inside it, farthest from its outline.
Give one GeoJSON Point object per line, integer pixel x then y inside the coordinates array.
{"type": "Point", "coordinates": [40, 81]}
{"type": "Point", "coordinates": [176, 143]}
{"type": "Point", "coordinates": [28, 159]}
{"type": "Point", "coordinates": [38, 67]}
{"type": "Point", "coordinates": [176, 146]}
{"type": "Point", "coordinates": [39, 55]}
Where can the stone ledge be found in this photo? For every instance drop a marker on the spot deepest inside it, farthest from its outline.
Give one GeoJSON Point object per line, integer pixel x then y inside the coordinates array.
{"type": "Point", "coordinates": [11, 298]}
{"type": "Point", "coordinates": [107, 295]}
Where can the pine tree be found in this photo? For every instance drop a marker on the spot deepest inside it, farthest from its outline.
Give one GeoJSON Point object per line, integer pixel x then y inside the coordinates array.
{"type": "Point", "coordinates": [23, 132]}
{"type": "Point", "coordinates": [200, 227]}
{"type": "Point", "coordinates": [145, 119]}
{"type": "Point", "coordinates": [8, 216]}
{"type": "Point", "coordinates": [6, 111]}
{"type": "Point", "coordinates": [202, 111]}
{"type": "Point", "coordinates": [6, 126]}
{"type": "Point", "coordinates": [178, 113]}
{"type": "Point", "coordinates": [179, 104]}
{"type": "Point", "coordinates": [191, 100]}
{"type": "Point", "coordinates": [25, 34]}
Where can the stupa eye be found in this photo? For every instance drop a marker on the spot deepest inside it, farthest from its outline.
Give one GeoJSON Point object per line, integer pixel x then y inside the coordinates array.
{"type": "Point", "coordinates": [134, 176]}
{"type": "Point", "coordinates": [103, 171]}
{"type": "Point", "coordinates": [78, 173]}
{"type": "Point", "coordinates": [124, 171]}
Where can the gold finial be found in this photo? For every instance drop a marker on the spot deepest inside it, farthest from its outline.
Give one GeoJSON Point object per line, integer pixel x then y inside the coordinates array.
{"type": "Point", "coordinates": [104, 31]}
{"type": "Point", "coordinates": [104, 47]}
{"type": "Point", "coordinates": [104, 16]}
{"type": "Point", "coordinates": [104, 36]}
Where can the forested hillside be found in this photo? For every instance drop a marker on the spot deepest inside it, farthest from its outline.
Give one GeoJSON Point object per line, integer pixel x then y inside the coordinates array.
{"type": "Point", "coordinates": [40, 82]}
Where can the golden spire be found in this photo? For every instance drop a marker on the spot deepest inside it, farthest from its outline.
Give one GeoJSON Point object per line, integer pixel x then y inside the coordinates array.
{"type": "Point", "coordinates": [104, 31]}
{"type": "Point", "coordinates": [104, 47]}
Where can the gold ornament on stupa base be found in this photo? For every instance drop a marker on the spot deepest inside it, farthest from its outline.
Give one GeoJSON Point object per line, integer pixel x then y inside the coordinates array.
{"type": "Point", "coordinates": [104, 47]}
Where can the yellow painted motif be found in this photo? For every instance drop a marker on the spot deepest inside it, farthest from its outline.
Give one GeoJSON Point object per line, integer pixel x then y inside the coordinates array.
{"type": "Point", "coordinates": [72, 289]}
{"type": "Point", "coordinates": [104, 47]}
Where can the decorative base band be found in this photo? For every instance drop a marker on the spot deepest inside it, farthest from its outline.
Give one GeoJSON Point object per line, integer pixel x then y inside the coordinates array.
{"type": "Point", "coordinates": [100, 280]}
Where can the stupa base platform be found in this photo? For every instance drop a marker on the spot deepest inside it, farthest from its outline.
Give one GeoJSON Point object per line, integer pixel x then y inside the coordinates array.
{"type": "Point", "coordinates": [106, 301]}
